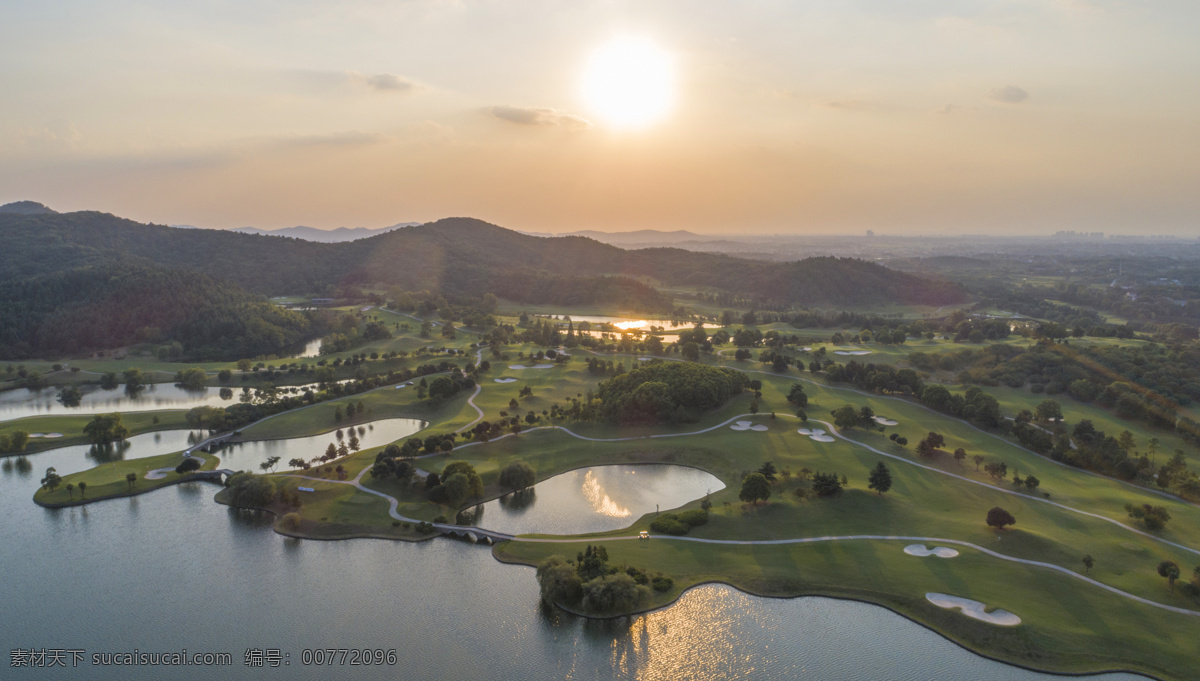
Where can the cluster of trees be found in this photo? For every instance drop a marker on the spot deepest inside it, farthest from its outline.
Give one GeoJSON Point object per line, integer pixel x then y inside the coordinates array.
{"type": "Point", "coordinates": [247, 490]}
{"type": "Point", "coordinates": [115, 303]}
{"type": "Point", "coordinates": [105, 428]}
{"type": "Point", "coordinates": [973, 405]}
{"type": "Point", "coordinates": [661, 392]}
{"type": "Point", "coordinates": [591, 584]}
{"type": "Point", "coordinates": [13, 442]}
{"type": "Point", "coordinates": [879, 378]}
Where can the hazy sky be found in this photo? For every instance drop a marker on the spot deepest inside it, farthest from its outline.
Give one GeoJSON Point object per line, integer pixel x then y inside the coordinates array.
{"type": "Point", "coordinates": [785, 116]}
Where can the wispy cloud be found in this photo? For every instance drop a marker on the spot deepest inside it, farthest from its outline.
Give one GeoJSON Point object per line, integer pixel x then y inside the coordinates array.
{"type": "Point", "coordinates": [539, 116]}
{"type": "Point", "coordinates": [379, 82]}
{"type": "Point", "coordinates": [1009, 94]}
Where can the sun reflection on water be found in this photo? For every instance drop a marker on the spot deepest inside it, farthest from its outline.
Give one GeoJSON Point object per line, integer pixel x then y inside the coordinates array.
{"type": "Point", "coordinates": [601, 502]}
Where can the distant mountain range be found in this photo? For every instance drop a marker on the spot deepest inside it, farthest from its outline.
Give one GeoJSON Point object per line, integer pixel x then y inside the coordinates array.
{"type": "Point", "coordinates": [325, 236]}
{"type": "Point", "coordinates": [72, 282]}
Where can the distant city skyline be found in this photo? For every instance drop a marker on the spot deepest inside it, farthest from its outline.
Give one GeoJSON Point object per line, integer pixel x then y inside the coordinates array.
{"type": "Point", "coordinates": [1002, 117]}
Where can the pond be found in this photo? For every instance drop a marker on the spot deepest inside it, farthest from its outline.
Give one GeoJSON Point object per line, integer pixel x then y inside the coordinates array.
{"type": "Point", "coordinates": [15, 404]}
{"type": "Point", "coordinates": [248, 455]}
{"type": "Point", "coordinates": [596, 499]}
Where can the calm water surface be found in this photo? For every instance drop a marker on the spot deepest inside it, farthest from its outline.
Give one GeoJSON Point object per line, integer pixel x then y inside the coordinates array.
{"type": "Point", "coordinates": [15, 404]}
{"type": "Point", "coordinates": [172, 570]}
{"type": "Point", "coordinates": [596, 499]}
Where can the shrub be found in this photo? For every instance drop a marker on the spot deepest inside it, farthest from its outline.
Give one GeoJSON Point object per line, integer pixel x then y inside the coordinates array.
{"type": "Point", "coordinates": [662, 583]}
{"type": "Point", "coordinates": [669, 524]}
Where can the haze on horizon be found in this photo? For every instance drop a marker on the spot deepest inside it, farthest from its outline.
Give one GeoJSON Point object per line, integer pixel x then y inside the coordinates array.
{"type": "Point", "coordinates": [998, 116]}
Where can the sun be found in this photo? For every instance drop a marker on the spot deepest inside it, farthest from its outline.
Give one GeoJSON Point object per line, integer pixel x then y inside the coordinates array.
{"type": "Point", "coordinates": [627, 83]}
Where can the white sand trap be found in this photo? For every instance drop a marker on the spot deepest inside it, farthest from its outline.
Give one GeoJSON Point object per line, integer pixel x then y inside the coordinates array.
{"type": "Point", "coordinates": [851, 352]}
{"type": "Point", "coordinates": [51, 435]}
{"type": "Point", "coordinates": [920, 551]}
{"type": "Point", "coordinates": [758, 428]}
{"type": "Point", "coordinates": [974, 609]}
{"type": "Point", "coordinates": [536, 366]}
{"type": "Point", "coordinates": [807, 349]}
{"type": "Point", "coordinates": [740, 425]}
{"type": "Point", "coordinates": [645, 359]}
{"type": "Point", "coordinates": [804, 431]}
{"type": "Point", "coordinates": [505, 380]}
{"type": "Point", "coordinates": [818, 435]}
{"type": "Point", "coordinates": [886, 422]}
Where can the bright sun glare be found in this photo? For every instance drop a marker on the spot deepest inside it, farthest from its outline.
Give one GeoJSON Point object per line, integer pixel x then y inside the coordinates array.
{"type": "Point", "coordinates": [628, 83]}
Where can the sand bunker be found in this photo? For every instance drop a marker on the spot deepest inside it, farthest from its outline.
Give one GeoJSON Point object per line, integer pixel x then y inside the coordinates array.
{"type": "Point", "coordinates": [645, 359]}
{"type": "Point", "coordinates": [746, 425]}
{"type": "Point", "coordinates": [47, 435]}
{"type": "Point", "coordinates": [807, 349]}
{"type": "Point", "coordinates": [920, 551]}
{"type": "Point", "coordinates": [818, 435]}
{"type": "Point", "coordinates": [536, 366]}
{"type": "Point", "coordinates": [974, 609]}
{"type": "Point", "coordinates": [505, 380]}
{"type": "Point", "coordinates": [886, 422]}
{"type": "Point", "coordinates": [804, 431]}
{"type": "Point", "coordinates": [851, 352]}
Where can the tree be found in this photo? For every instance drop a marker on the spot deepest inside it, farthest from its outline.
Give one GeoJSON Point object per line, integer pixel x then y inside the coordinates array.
{"type": "Point", "coordinates": [52, 479]}
{"type": "Point", "coordinates": [131, 478]}
{"type": "Point", "coordinates": [298, 463]}
{"type": "Point", "coordinates": [1032, 483]}
{"type": "Point", "coordinates": [690, 351]}
{"type": "Point", "coordinates": [1048, 410]}
{"type": "Point", "coordinates": [192, 378]}
{"type": "Point", "coordinates": [1088, 562]}
{"type": "Point", "coordinates": [244, 365]}
{"type": "Point", "coordinates": [797, 396]}
{"type": "Point", "coordinates": [70, 396]}
{"type": "Point", "coordinates": [754, 488]}
{"type": "Point", "coordinates": [187, 465]}
{"type": "Point", "coordinates": [768, 471]}
{"type": "Point", "coordinates": [845, 417]}
{"type": "Point", "coordinates": [517, 476]}
{"type": "Point", "coordinates": [880, 478]}
{"type": "Point", "coordinates": [999, 518]}
{"type": "Point", "coordinates": [224, 376]}
{"type": "Point", "coordinates": [109, 381]}
{"type": "Point", "coordinates": [935, 440]}
{"type": "Point", "coordinates": [558, 581]}
{"type": "Point", "coordinates": [1170, 571]}
{"type": "Point", "coordinates": [997, 469]}
{"type": "Point", "coordinates": [105, 428]}
{"type": "Point", "coordinates": [475, 483]}
{"type": "Point", "coordinates": [826, 484]}
{"type": "Point", "coordinates": [269, 464]}
{"type": "Point", "coordinates": [959, 455]}
{"type": "Point", "coordinates": [71, 490]}
{"type": "Point", "coordinates": [978, 459]}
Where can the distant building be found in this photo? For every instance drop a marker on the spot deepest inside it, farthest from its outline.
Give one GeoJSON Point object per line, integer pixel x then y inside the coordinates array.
{"type": "Point", "coordinates": [870, 233]}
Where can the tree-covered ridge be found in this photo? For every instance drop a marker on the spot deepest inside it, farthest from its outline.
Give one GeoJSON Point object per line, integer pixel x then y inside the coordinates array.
{"type": "Point", "coordinates": [459, 256]}
{"type": "Point", "coordinates": [116, 304]}
{"type": "Point", "coordinates": [660, 392]}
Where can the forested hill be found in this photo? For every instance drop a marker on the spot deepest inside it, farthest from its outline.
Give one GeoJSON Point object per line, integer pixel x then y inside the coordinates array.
{"type": "Point", "coordinates": [457, 256]}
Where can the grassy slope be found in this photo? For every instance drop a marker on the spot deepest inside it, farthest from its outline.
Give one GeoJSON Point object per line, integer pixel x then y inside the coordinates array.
{"type": "Point", "coordinates": [108, 480]}
{"type": "Point", "coordinates": [71, 426]}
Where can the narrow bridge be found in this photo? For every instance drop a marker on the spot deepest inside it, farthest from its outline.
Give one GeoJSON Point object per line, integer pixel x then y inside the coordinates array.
{"type": "Point", "coordinates": [474, 534]}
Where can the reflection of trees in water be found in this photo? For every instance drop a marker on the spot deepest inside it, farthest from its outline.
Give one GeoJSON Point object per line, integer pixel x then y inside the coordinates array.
{"type": "Point", "coordinates": [8, 465]}
{"type": "Point", "coordinates": [108, 452]}
{"type": "Point", "coordinates": [23, 466]}
{"type": "Point", "coordinates": [472, 516]}
{"type": "Point", "coordinates": [519, 502]}
{"type": "Point", "coordinates": [250, 518]}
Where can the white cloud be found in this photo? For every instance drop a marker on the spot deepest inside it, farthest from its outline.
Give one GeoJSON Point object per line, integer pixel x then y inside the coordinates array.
{"type": "Point", "coordinates": [1009, 94]}
{"type": "Point", "coordinates": [539, 116]}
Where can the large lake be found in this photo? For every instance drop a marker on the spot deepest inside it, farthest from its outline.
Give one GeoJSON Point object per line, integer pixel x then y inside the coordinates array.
{"type": "Point", "coordinates": [172, 569]}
